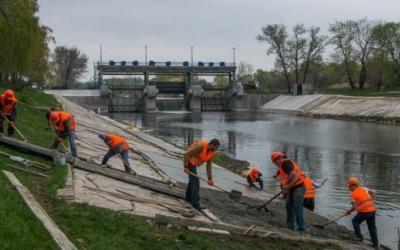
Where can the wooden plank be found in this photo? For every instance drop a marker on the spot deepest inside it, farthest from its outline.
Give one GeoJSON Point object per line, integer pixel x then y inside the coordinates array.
{"type": "Point", "coordinates": [59, 237]}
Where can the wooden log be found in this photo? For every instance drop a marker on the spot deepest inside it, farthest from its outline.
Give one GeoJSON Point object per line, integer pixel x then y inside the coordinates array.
{"type": "Point", "coordinates": [59, 237]}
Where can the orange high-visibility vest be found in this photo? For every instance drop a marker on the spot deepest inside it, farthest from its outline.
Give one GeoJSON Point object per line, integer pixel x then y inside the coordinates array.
{"type": "Point", "coordinates": [253, 173]}
{"type": "Point", "coordinates": [63, 117]}
{"type": "Point", "coordinates": [203, 156]}
{"type": "Point", "coordinates": [310, 190]}
{"type": "Point", "coordinates": [115, 140]}
{"type": "Point", "coordinates": [283, 177]}
{"type": "Point", "coordinates": [362, 200]}
{"type": "Point", "coordinates": [7, 108]}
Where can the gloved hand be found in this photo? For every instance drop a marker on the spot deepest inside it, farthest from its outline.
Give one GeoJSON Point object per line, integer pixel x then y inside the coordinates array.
{"type": "Point", "coordinates": [186, 169]}
{"type": "Point", "coordinates": [210, 182]}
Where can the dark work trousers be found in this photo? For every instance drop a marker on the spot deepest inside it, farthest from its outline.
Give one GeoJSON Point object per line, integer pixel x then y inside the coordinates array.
{"type": "Point", "coordinates": [370, 218]}
{"type": "Point", "coordinates": [251, 183]}
{"type": "Point", "coordinates": [309, 203]}
{"type": "Point", "coordinates": [10, 129]}
{"type": "Point", "coordinates": [294, 207]}
{"type": "Point", "coordinates": [193, 188]}
{"type": "Point", "coordinates": [124, 157]}
{"type": "Point", "coordinates": [71, 140]}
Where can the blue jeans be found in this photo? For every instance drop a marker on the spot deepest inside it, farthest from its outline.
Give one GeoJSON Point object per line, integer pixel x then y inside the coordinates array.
{"type": "Point", "coordinates": [294, 208]}
{"type": "Point", "coordinates": [193, 188]}
{"type": "Point", "coordinates": [370, 218]}
{"type": "Point", "coordinates": [124, 157]}
{"type": "Point", "coordinates": [71, 139]}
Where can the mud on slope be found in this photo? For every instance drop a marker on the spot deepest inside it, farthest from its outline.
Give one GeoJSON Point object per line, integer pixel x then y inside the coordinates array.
{"type": "Point", "coordinates": [238, 213]}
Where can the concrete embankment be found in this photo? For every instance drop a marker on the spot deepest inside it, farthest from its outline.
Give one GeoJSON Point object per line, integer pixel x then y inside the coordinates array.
{"type": "Point", "coordinates": [371, 109]}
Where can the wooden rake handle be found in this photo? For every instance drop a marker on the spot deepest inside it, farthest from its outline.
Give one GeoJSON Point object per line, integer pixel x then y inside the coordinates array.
{"type": "Point", "coordinates": [16, 129]}
{"type": "Point", "coordinates": [205, 180]}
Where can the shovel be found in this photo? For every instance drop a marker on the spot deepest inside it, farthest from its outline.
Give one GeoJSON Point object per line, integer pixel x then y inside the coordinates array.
{"type": "Point", "coordinates": [233, 195]}
{"type": "Point", "coordinates": [265, 204]}
{"type": "Point", "coordinates": [329, 222]}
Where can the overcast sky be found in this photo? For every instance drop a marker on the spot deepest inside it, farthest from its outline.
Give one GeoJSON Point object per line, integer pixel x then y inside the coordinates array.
{"type": "Point", "coordinates": [213, 27]}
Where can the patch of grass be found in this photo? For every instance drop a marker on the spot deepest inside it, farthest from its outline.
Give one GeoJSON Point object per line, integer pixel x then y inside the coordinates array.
{"type": "Point", "coordinates": [19, 228]}
{"type": "Point", "coordinates": [88, 227]}
{"type": "Point", "coordinates": [357, 92]}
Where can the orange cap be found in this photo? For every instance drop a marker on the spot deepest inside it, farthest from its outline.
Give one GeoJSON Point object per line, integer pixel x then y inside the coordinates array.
{"type": "Point", "coordinates": [9, 94]}
{"type": "Point", "coordinates": [352, 181]}
{"type": "Point", "coordinates": [275, 156]}
{"type": "Point", "coordinates": [54, 117]}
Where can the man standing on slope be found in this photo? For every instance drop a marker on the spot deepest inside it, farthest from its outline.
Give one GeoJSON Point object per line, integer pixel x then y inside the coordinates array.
{"type": "Point", "coordinates": [292, 181]}
{"type": "Point", "coordinates": [8, 109]}
{"type": "Point", "coordinates": [117, 145]}
{"type": "Point", "coordinates": [199, 152]}
{"type": "Point", "coordinates": [65, 127]}
{"type": "Point", "coordinates": [363, 201]}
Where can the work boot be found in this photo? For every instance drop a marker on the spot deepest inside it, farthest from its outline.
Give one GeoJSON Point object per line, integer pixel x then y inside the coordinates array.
{"type": "Point", "coordinates": [132, 172]}
{"type": "Point", "coordinates": [201, 207]}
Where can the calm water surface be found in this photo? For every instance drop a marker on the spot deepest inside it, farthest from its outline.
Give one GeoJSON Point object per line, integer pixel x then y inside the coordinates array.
{"type": "Point", "coordinates": [323, 148]}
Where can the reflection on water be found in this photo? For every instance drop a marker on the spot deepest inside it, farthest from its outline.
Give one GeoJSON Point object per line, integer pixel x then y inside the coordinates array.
{"type": "Point", "coordinates": [324, 148]}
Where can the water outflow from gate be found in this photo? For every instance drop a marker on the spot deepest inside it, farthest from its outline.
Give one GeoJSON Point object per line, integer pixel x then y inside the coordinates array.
{"type": "Point", "coordinates": [324, 148]}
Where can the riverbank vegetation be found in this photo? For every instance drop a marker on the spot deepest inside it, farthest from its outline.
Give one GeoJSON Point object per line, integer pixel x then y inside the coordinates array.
{"type": "Point", "coordinates": [352, 54]}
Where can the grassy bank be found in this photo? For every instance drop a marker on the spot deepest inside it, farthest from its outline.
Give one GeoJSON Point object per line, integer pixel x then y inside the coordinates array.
{"type": "Point", "coordinates": [357, 92]}
{"type": "Point", "coordinates": [88, 227]}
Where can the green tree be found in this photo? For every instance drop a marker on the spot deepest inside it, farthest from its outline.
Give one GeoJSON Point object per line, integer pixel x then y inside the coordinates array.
{"type": "Point", "coordinates": [363, 45]}
{"type": "Point", "coordinates": [23, 43]}
{"type": "Point", "coordinates": [68, 65]}
{"type": "Point", "coordinates": [245, 72]}
{"type": "Point", "coordinates": [276, 36]}
{"type": "Point", "coordinates": [342, 38]}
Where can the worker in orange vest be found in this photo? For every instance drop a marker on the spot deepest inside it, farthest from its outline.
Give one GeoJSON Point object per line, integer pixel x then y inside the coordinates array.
{"type": "Point", "coordinates": [117, 145]}
{"type": "Point", "coordinates": [198, 153]}
{"type": "Point", "coordinates": [291, 179]}
{"type": "Point", "coordinates": [8, 109]}
{"type": "Point", "coordinates": [310, 193]}
{"type": "Point", "coordinates": [254, 175]}
{"type": "Point", "coordinates": [363, 202]}
{"type": "Point", "coordinates": [65, 127]}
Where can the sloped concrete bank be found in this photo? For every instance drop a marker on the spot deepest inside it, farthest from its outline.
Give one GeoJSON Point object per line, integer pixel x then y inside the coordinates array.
{"type": "Point", "coordinates": [99, 191]}
{"type": "Point", "coordinates": [366, 109]}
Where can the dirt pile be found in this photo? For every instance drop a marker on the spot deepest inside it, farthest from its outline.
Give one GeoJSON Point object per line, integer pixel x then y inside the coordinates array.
{"type": "Point", "coordinates": [238, 213]}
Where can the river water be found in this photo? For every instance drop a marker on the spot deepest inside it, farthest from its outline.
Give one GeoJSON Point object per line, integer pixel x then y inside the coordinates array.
{"type": "Point", "coordinates": [324, 149]}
